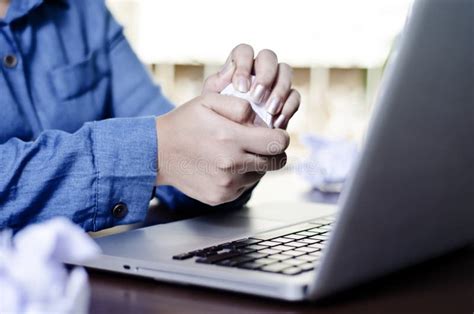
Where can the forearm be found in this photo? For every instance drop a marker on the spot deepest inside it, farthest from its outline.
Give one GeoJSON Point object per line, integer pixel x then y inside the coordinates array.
{"type": "Point", "coordinates": [81, 176]}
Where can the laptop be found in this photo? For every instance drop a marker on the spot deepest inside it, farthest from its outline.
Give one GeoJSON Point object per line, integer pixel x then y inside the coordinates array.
{"type": "Point", "coordinates": [410, 196]}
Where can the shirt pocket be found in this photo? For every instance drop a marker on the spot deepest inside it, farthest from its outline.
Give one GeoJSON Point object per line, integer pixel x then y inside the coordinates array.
{"type": "Point", "coordinates": [73, 80]}
{"type": "Point", "coordinates": [81, 91]}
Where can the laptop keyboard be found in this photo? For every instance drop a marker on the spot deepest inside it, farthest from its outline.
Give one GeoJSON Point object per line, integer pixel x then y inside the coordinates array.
{"type": "Point", "coordinates": [289, 251]}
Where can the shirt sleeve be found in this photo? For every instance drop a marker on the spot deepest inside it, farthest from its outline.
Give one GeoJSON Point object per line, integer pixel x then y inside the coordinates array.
{"type": "Point", "coordinates": [82, 176]}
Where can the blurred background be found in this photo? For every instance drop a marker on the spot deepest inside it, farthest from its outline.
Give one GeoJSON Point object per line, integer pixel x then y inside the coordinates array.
{"type": "Point", "coordinates": [338, 49]}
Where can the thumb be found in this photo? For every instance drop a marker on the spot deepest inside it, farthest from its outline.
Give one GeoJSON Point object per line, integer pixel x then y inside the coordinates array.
{"type": "Point", "coordinates": [230, 107]}
{"type": "Point", "coordinates": [217, 82]}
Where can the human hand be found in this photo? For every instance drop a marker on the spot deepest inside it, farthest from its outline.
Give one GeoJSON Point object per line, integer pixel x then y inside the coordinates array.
{"type": "Point", "coordinates": [272, 84]}
{"type": "Point", "coordinates": [209, 149]}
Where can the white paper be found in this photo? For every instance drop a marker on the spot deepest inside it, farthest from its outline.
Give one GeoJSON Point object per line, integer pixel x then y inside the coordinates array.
{"type": "Point", "coordinates": [329, 163]}
{"type": "Point", "coordinates": [33, 278]}
{"type": "Point", "coordinates": [263, 118]}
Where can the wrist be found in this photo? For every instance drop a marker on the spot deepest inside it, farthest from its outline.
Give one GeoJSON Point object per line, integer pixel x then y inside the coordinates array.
{"type": "Point", "coordinates": [161, 178]}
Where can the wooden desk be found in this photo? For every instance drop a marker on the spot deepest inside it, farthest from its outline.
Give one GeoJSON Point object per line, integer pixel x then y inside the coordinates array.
{"type": "Point", "coordinates": [445, 285]}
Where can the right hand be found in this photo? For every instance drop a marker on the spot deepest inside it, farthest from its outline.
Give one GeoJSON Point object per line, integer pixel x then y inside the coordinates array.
{"type": "Point", "coordinates": [272, 85]}
{"type": "Point", "coordinates": [209, 149]}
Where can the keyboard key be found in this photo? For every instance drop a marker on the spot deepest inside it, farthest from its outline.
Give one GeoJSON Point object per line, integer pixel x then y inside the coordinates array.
{"type": "Point", "coordinates": [253, 240]}
{"type": "Point", "coordinates": [265, 261]}
{"type": "Point", "coordinates": [309, 240]}
{"type": "Point", "coordinates": [295, 236]}
{"type": "Point", "coordinates": [293, 253]}
{"type": "Point", "coordinates": [183, 256]}
{"type": "Point", "coordinates": [317, 254]}
{"type": "Point", "coordinates": [275, 268]}
{"type": "Point", "coordinates": [320, 237]}
{"type": "Point", "coordinates": [308, 258]}
{"type": "Point", "coordinates": [269, 251]}
{"type": "Point", "coordinates": [226, 245]}
{"type": "Point", "coordinates": [282, 240]}
{"type": "Point", "coordinates": [227, 262]}
{"type": "Point", "coordinates": [295, 262]}
{"type": "Point", "coordinates": [256, 255]}
{"type": "Point", "coordinates": [283, 247]}
{"type": "Point", "coordinates": [307, 266]}
{"type": "Point", "coordinates": [326, 228]}
{"type": "Point", "coordinates": [291, 271]}
{"type": "Point", "coordinates": [256, 247]}
{"type": "Point", "coordinates": [269, 243]}
{"type": "Point", "coordinates": [250, 265]}
{"type": "Point", "coordinates": [216, 258]}
{"type": "Point", "coordinates": [296, 244]}
{"type": "Point", "coordinates": [307, 249]}
{"type": "Point", "coordinates": [211, 248]}
{"type": "Point", "coordinates": [244, 250]}
{"type": "Point", "coordinates": [241, 242]}
{"type": "Point", "coordinates": [195, 252]}
{"type": "Point", "coordinates": [241, 259]}
{"type": "Point", "coordinates": [306, 233]}
{"type": "Point", "coordinates": [317, 246]}
{"type": "Point", "coordinates": [279, 257]}
{"type": "Point", "coordinates": [204, 253]}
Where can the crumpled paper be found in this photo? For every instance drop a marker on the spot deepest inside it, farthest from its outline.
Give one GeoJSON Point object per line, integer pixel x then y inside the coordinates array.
{"type": "Point", "coordinates": [262, 117]}
{"type": "Point", "coordinates": [329, 162]}
{"type": "Point", "coordinates": [33, 278]}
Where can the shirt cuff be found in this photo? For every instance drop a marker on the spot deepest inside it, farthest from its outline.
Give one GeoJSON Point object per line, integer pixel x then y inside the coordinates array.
{"type": "Point", "coordinates": [125, 158]}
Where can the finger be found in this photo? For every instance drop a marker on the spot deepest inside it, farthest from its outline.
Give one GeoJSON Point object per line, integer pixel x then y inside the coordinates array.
{"type": "Point", "coordinates": [266, 68]}
{"type": "Point", "coordinates": [290, 107]}
{"type": "Point", "coordinates": [243, 60]}
{"type": "Point", "coordinates": [218, 81]}
{"type": "Point", "coordinates": [248, 179]}
{"type": "Point", "coordinates": [262, 141]}
{"type": "Point", "coordinates": [262, 164]}
{"type": "Point", "coordinates": [281, 89]}
{"type": "Point", "coordinates": [230, 107]}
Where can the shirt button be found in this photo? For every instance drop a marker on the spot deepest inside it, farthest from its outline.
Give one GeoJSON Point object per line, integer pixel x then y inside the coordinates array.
{"type": "Point", "coordinates": [120, 210]}
{"type": "Point", "coordinates": [10, 61]}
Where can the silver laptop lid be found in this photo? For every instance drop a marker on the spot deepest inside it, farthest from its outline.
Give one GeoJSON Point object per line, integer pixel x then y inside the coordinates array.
{"type": "Point", "coordinates": [411, 196]}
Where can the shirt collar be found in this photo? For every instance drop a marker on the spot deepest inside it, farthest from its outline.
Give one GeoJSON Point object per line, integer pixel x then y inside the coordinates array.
{"type": "Point", "coordinates": [20, 8]}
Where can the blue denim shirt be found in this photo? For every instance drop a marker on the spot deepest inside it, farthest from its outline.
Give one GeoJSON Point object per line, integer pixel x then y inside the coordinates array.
{"type": "Point", "coordinates": [77, 132]}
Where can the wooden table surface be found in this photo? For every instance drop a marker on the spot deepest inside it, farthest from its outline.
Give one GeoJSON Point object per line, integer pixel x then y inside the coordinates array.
{"type": "Point", "coordinates": [444, 285]}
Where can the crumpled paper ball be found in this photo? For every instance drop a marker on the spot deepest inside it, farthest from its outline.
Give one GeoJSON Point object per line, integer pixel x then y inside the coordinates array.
{"type": "Point", "coordinates": [33, 278]}
{"type": "Point", "coordinates": [329, 163]}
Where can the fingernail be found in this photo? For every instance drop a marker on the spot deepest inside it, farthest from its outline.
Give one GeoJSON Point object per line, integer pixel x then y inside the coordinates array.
{"type": "Point", "coordinates": [258, 93]}
{"type": "Point", "coordinates": [272, 105]}
{"type": "Point", "coordinates": [243, 85]}
{"type": "Point", "coordinates": [279, 121]}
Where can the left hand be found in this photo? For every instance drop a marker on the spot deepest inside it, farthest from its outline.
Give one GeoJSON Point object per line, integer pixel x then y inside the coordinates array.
{"type": "Point", "coordinates": [272, 84]}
